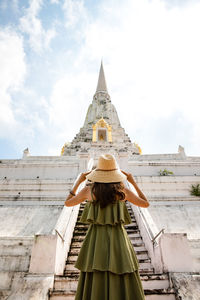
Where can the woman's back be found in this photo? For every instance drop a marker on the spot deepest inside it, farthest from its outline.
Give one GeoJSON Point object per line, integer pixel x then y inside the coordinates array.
{"type": "Point", "coordinates": [112, 214]}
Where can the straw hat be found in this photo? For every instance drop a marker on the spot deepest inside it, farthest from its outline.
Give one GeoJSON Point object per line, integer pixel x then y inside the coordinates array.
{"type": "Point", "coordinates": [107, 170]}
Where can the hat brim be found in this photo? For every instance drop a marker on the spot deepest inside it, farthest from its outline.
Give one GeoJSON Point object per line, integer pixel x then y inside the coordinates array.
{"type": "Point", "coordinates": [106, 176]}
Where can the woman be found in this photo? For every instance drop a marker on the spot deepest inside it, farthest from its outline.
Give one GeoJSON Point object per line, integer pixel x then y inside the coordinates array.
{"type": "Point", "coordinates": [107, 261]}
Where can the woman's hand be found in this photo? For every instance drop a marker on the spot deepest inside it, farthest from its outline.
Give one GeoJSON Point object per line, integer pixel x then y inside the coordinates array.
{"type": "Point", "coordinates": [141, 200]}
{"type": "Point", "coordinates": [82, 177]}
{"type": "Point", "coordinates": [129, 176]}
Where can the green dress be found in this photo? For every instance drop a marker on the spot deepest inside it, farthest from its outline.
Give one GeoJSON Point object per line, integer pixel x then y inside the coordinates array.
{"type": "Point", "coordinates": [107, 261]}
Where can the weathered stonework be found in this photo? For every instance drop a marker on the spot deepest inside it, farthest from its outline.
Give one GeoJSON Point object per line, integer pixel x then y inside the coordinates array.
{"type": "Point", "coordinates": [187, 285]}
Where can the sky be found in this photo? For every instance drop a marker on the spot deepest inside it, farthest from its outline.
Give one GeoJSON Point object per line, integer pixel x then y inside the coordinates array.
{"type": "Point", "coordinates": [50, 55]}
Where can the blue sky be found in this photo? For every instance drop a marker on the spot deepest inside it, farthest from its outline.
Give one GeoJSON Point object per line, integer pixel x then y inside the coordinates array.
{"type": "Point", "coordinates": [50, 53]}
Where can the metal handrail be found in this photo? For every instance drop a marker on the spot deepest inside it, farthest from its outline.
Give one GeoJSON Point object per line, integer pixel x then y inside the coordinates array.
{"type": "Point", "coordinates": [59, 235]}
{"type": "Point", "coordinates": [159, 233]}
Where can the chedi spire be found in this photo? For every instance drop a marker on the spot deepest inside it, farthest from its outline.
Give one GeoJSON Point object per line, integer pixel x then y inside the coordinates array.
{"type": "Point", "coordinates": [101, 85]}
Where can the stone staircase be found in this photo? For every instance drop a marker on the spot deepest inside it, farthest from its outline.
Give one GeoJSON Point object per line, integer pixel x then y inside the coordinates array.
{"type": "Point", "coordinates": [156, 286]}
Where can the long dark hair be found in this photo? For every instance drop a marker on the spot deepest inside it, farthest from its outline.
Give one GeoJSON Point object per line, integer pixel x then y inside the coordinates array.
{"type": "Point", "coordinates": [107, 193]}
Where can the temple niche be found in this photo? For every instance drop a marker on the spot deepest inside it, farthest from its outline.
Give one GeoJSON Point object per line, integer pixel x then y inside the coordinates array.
{"type": "Point", "coordinates": [102, 132]}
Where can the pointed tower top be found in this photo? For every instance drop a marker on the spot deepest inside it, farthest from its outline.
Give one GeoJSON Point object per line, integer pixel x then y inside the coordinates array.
{"type": "Point", "coordinates": [101, 86]}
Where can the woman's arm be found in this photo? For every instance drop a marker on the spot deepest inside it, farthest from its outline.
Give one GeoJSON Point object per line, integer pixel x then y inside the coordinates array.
{"type": "Point", "coordinates": [80, 197]}
{"type": "Point", "coordinates": [139, 200]}
{"type": "Point", "coordinates": [71, 199]}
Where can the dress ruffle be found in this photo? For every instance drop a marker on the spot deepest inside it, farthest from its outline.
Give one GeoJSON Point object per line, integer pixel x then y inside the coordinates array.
{"type": "Point", "coordinates": [112, 214]}
{"type": "Point", "coordinates": [107, 248]}
{"type": "Point", "coordinates": [108, 286]}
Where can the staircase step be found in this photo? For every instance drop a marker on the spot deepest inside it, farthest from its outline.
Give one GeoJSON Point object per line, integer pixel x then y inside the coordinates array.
{"type": "Point", "coordinates": [82, 234]}
{"type": "Point", "coordinates": [134, 239]}
{"type": "Point", "coordinates": [144, 268]}
{"type": "Point", "coordinates": [80, 227]}
{"type": "Point", "coordinates": [72, 258]}
{"type": "Point", "coordinates": [149, 282]}
{"type": "Point", "coordinates": [137, 243]}
{"type": "Point", "coordinates": [142, 255]}
{"type": "Point", "coordinates": [131, 226]}
{"type": "Point", "coordinates": [158, 294]}
{"type": "Point", "coordinates": [58, 295]}
{"type": "Point", "coordinates": [75, 273]}
{"type": "Point", "coordinates": [137, 247]}
{"type": "Point", "coordinates": [147, 297]}
{"type": "Point", "coordinates": [157, 297]}
{"type": "Point", "coordinates": [129, 231]}
{"type": "Point", "coordinates": [145, 265]}
{"type": "Point", "coordinates": [76, 245]}
{"type": "Point", "coordinates": [134, 235]}
{"type": "Point", "coordinates": [83, 229]}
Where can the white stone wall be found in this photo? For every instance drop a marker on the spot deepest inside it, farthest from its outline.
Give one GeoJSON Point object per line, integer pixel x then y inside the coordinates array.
{"type": "Point", "coordinates": [179, 217]}
{"type": "Point", "coordinates": [152, 168]}
{"type": "Point", "coordinates": [37, 168]}
{"type": "Point", "coordinates": [174, 187]}
{"type": "Point", "coordinates": [28, 220]}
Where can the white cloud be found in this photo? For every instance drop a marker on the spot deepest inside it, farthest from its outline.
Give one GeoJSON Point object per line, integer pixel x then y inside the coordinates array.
{"type": "Point", "coordinates": [68, 104]}
{"type": "Point", "coordinates": [75, 12]}
{"type": "Point", "coordinates": [12, 60]}
{"type": "Point", "coordinates": [179, 3]}
{"type": "Point", "coordinates": [13, 71]}
{"type": "Point", "coordinates": [39, 38]}
{"type": "Point", "coordinates": [20, 116]}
